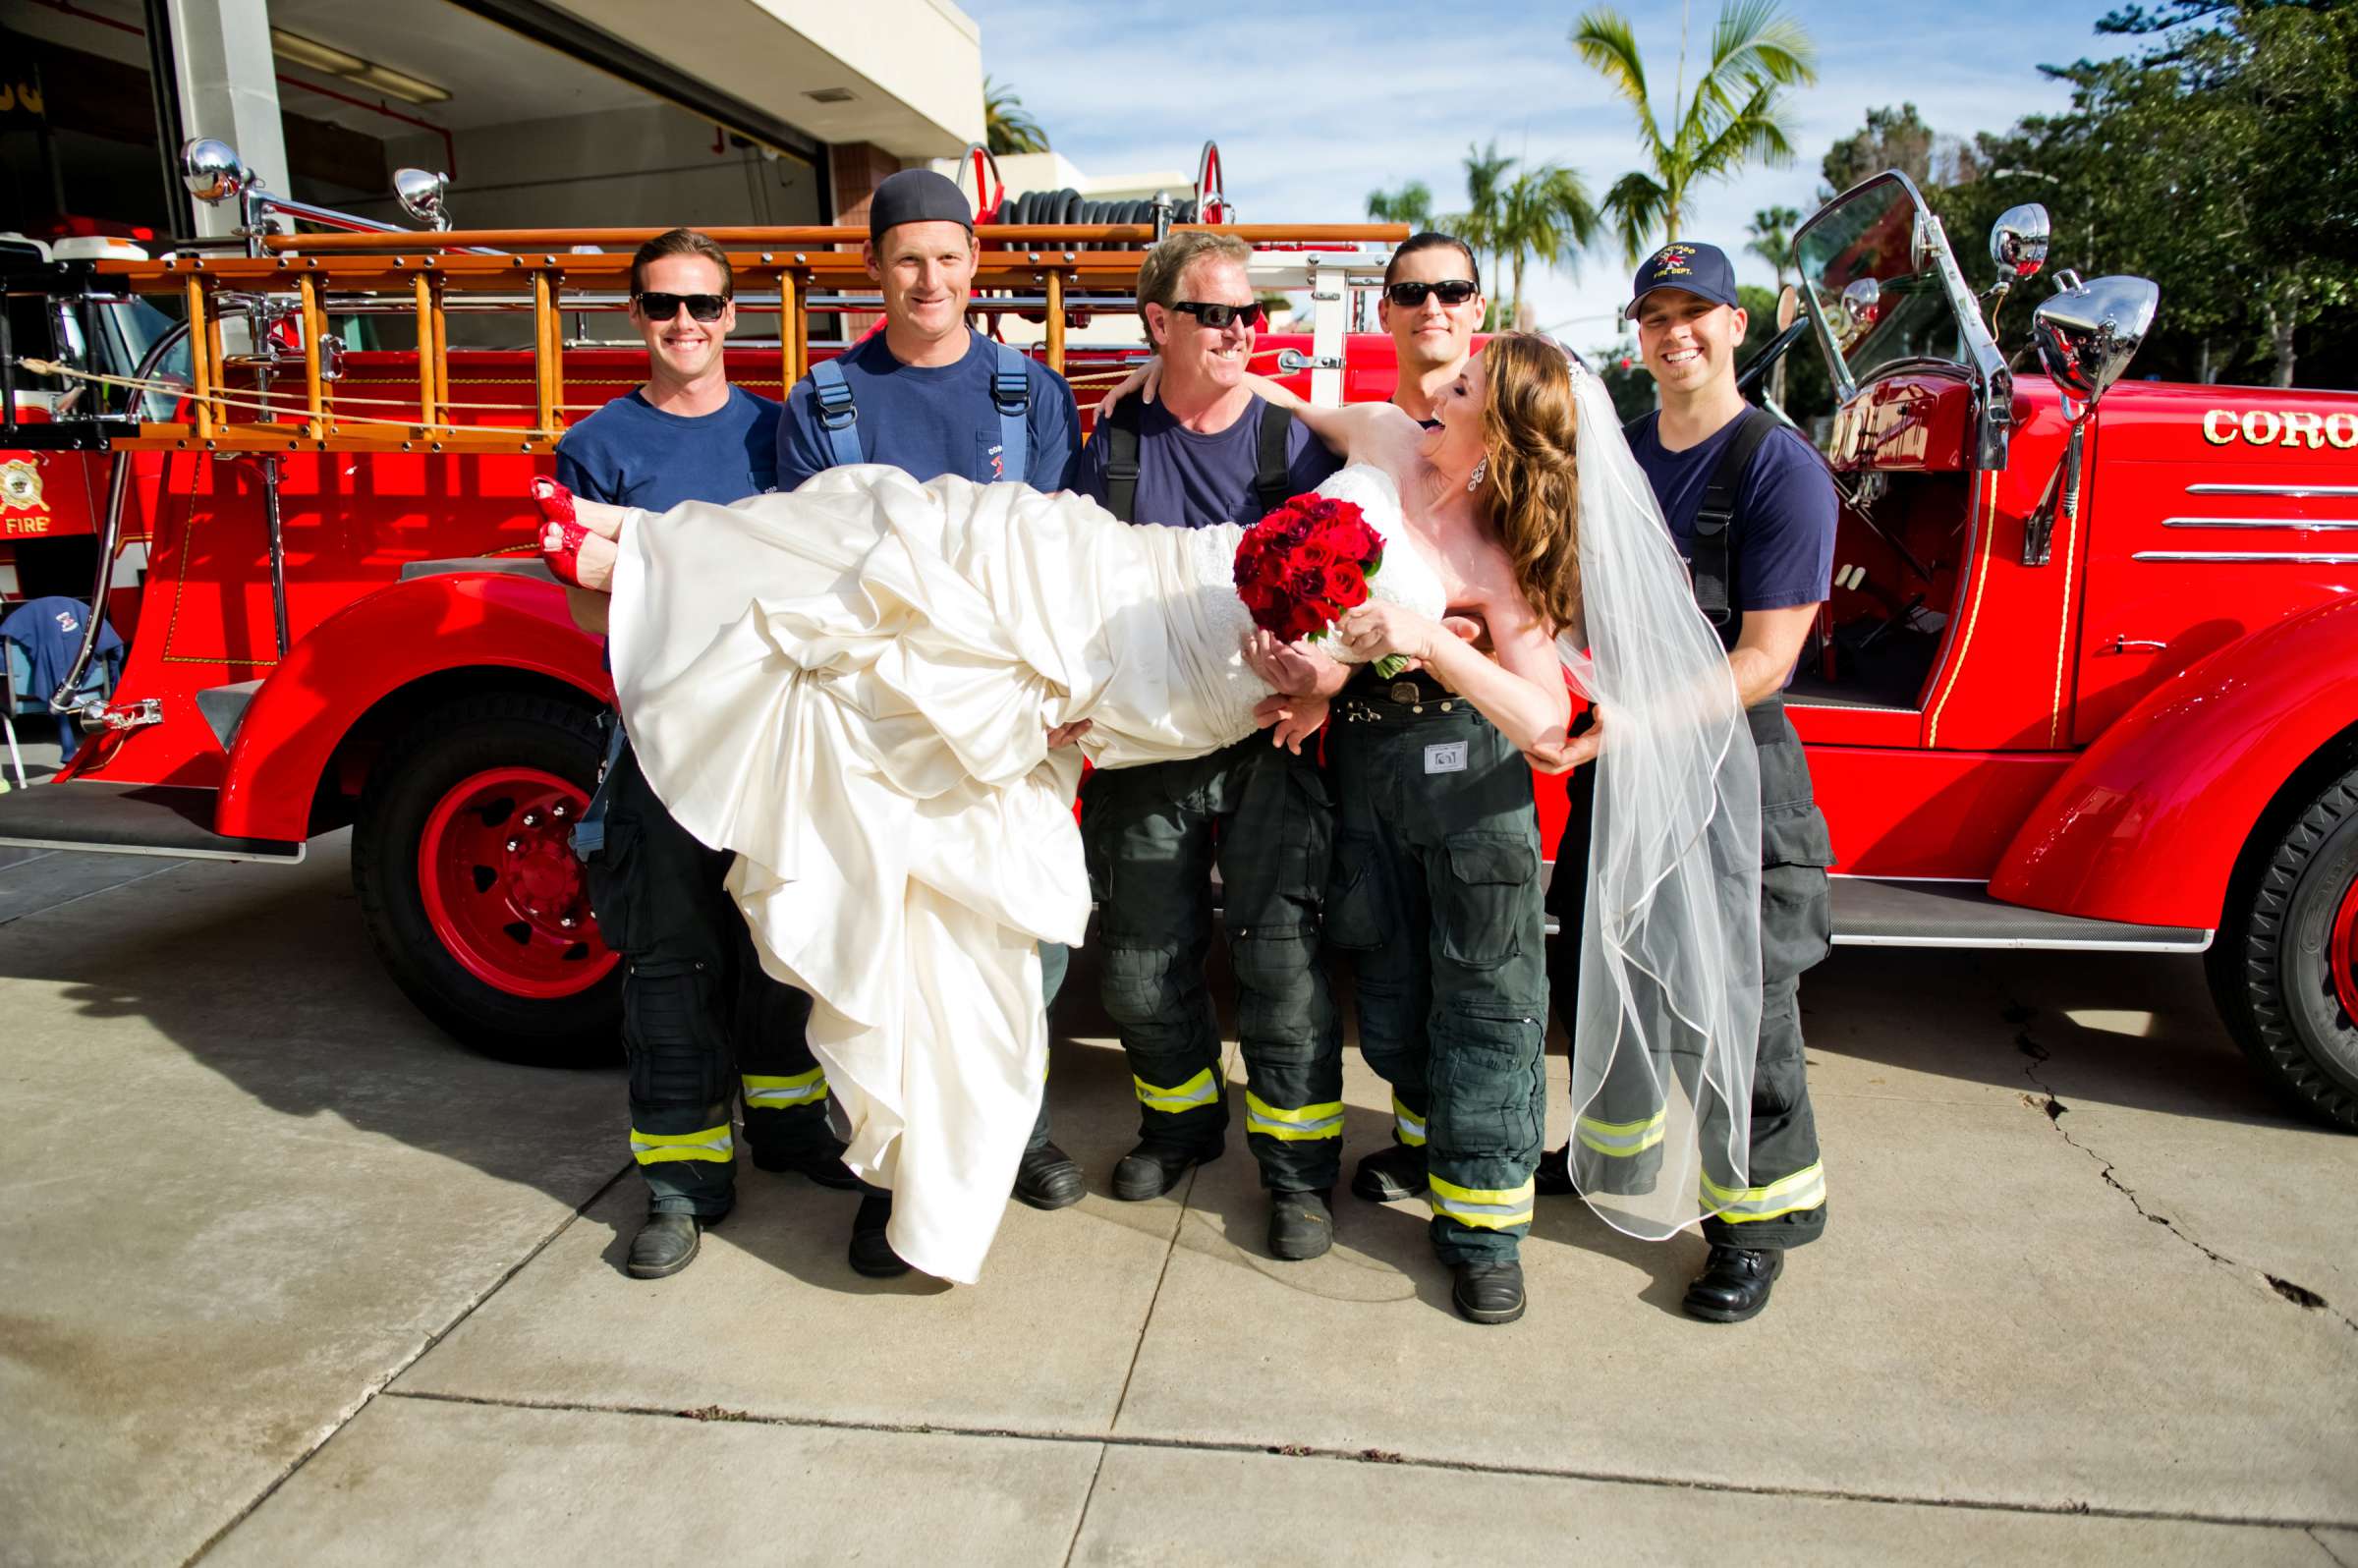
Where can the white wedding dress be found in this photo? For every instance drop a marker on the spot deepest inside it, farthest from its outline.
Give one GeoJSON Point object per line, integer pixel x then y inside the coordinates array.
{"type": "Point", "coordinates": [850, 686]}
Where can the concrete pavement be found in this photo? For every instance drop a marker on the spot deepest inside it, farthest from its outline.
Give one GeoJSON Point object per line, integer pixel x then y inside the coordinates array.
{"type": "Point", "coordinates": [292, 1277]}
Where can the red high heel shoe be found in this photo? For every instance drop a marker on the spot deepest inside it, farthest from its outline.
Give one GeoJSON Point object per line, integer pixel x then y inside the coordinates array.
{"type": "Point", "coordinates": [556, 507]}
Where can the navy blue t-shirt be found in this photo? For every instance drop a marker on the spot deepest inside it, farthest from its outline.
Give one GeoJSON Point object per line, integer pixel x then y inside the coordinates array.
{"type": "Point", "coordinates": [631, 453]}
{"type": "Point", "coordinates": [1188, 479]}
{"type": "Point", "coordinates": [929, 421]}
{"type": "Point", "coordinates": [1783, 550]}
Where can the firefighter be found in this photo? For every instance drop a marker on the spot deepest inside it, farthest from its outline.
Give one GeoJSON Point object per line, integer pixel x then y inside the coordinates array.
{"type": "Point", "coordinates": [695, 1005]}
{"type": "Point", "coordinates": [1431, 302]}
{"type": "Point", "coordinates": [1752, 510]}
{"type": "Point", "coordinates": [1205, 451]}
{"type": "Point", "coordinates": [930, 395]}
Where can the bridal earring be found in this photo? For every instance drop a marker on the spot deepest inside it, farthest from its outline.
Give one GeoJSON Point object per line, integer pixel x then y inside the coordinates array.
{"type": "Point", "coordinates": [1481, 469]}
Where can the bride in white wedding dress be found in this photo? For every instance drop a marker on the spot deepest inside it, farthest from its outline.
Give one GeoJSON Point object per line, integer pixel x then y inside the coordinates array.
{"type": "Point", "coordinates": [852, 687]}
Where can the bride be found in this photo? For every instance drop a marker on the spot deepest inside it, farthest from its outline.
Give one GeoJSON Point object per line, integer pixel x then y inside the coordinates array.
{"type": "Point", "coordinates": [854, 687]}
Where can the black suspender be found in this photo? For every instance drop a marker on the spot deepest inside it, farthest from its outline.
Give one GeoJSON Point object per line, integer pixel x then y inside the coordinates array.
{"type": "Point", "coordinates": [1119, 432]}
{"type": "Point", "coordinates": [1714, 519]}
{"type": "Point", "coordinates": [1271, 488]}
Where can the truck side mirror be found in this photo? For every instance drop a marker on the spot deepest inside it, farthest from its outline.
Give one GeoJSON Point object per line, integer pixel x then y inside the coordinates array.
{"type": "Point", "coordinates": [2018, 243]}
{"type": "Point", "coordinates": [420, 196]}
{"type": "Point", "coordinates": [2088, 332]}
{"type": "Point", "coordinates": [212, 170]}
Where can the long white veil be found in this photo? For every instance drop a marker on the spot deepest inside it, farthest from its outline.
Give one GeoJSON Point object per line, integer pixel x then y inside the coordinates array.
{"type": "Point", "coordinates": [1667, 1021]}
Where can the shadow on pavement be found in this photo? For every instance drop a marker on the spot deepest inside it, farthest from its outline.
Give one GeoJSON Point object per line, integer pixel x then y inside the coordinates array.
{"type": "Point", "coordinates": [265, 975]}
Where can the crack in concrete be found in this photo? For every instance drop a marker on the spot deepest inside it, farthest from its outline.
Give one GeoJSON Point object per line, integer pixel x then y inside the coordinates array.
{"type": "Point", "coordinates": [2327, 1547]}
{"type": "Point", "coordinates": [2072, 1508]}
{"type": "Point", "coordinates": [383, 1385]}
{"type": "Point", "coordinates": [2020, 1016]}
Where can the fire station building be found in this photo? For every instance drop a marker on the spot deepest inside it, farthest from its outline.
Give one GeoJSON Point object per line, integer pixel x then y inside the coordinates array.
{"type": "Point", "coordinates": [622, 113]}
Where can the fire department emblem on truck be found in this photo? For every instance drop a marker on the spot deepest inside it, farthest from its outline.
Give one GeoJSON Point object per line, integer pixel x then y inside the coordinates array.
{"type": "Point", "coordinates": [20, 485]}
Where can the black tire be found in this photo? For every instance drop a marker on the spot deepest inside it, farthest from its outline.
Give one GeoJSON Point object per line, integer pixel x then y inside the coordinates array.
{"type": "Point", "coordinates": [2270, 968]}
{"type": "Point", "coordinates": [442, 749]}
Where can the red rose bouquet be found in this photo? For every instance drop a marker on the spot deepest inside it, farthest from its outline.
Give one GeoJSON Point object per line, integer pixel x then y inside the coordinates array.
{"type": "Point", "coordinates": [1302, 566]}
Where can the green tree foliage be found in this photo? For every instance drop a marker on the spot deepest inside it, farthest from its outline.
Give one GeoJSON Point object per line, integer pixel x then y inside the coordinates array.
{"type": "Point", "coordinates": [1734, 116]}
{"type": "Point", "coordinates": [2217, 161]}
{"type": "Point", "coordinates": [1543, 212]}
{"type": "Point", "coordinates": [1771, 230]}
{"type": "Point", "coordinates": [1411, 204]}
{"type": "Point", "coordinates": [1007, 125]}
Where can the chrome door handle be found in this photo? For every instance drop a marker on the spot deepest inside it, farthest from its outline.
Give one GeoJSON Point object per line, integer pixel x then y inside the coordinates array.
{"type": "Point", "coordinates": [2131, 645]}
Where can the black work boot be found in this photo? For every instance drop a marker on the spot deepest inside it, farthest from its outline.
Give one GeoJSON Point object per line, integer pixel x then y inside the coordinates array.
{"type": "Point", "coordinates": [871, 1255]}
{"type": "Point", "coordinates": [1156, 1165]}
{"type": "Point", "coordinates": [1487, 1293]}
{"type": "Point", "coordinates": [664, 1244]}
{"type": "Point", "coordinates": [821, 1160]}
{"type": "Point", "coordinates": [1734, 1283]}
{"type": "Point", "coordinates": [1048, 1177]}
{"type": "Point", "coordinates": [1301, 1224]}
{"type": "Point", "coordinates": [1552, 1176]}
{"type": "Point", "coordinates": [1390, 1174]}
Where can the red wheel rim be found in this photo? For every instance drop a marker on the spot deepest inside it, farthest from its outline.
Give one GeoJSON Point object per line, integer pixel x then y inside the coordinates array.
{"type": "Point", "coordinates": [502, 889]}
{"type": "Point", "coordinates": [2341, 952]}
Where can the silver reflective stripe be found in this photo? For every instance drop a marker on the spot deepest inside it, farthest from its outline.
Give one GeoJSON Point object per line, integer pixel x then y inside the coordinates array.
{"type": "Point", "coordinates": [1804, 1188]}
{"type": "Point", "coordinates": [800, 1095]}
{"type": "Point", "coordinates": [1264, 1124]}
{"type": "Point", "coordinates": [724, 1144]}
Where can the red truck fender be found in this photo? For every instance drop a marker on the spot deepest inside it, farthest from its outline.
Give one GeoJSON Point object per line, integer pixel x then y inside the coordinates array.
{"type": "Point", "coordinates": [2147, 827]}
{"type": "Point", "coordinates": [372, 648]}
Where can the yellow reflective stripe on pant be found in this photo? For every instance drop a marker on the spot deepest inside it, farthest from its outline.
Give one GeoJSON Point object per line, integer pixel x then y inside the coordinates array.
{"type": "Point", "coordinates": [1623, 1139]}
{"type": "Point", "coordinates": [1408, 1124]}
{"type": "Point", "coordinates": [763, 1093]}
{"type": "Point", "coordinates": [1200, 1090]}
{"type": "Point", "coordinates": [654, 1148]}
{"type": "Point", "coordinates": [1311, 1121]}
{"type": "Point", "coordinates": [1804, 1188]}
{"type": "Point", "coordinates": [1483, 1208]}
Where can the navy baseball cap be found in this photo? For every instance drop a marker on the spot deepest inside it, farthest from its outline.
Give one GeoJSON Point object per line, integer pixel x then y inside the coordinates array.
{"type": "Point", "coordinates": [917, 196]}
{"type": "Point", "coordinates": [1703, 270]}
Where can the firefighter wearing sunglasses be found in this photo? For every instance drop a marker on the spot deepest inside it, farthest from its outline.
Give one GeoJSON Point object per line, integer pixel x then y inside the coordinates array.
{"type": "Point", "coordinates": [702, 1024]}
{"type": "Point", "coordinates": [1430, 305]}
{"type": "Point", "coordinates": [1206, 451]}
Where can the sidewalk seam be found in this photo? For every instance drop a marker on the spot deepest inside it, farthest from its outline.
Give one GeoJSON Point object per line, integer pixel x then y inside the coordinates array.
{"type": "Point", "coordinates": [1214, 1445]}
{"type": "Point", "coordinates": [382, 1385]}
{"type": "Point", "coordinates": [1138, 1349]}
{"type": "Point", "coordinates": [95, 892]}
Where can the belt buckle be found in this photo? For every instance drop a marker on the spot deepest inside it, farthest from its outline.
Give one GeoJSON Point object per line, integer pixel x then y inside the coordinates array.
{"type": "Point", "coordinates": [1405, 692]}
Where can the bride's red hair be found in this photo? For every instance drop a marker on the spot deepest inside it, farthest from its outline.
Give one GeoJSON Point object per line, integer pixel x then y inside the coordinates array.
{"type": "Point", "coordinates": [1528, 436]}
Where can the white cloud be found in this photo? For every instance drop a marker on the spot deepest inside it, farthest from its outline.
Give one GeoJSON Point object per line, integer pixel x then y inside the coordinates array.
{"type": "Point", "coordinates": [1337, 100]}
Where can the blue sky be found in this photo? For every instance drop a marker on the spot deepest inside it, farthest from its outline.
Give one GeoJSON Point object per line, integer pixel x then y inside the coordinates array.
{"type": "Point", "coordinates": [1316, 104]}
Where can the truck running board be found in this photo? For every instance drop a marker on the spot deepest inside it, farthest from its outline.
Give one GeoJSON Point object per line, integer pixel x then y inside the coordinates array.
{"type": "Point", "coordinates": [1871, 912]}
{"type": "Point", "coordinates": [171, 820]}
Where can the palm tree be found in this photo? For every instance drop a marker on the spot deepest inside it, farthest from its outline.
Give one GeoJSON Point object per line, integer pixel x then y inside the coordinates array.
{"type": "Point", "coordinates": [1411, 205]}
{"type": "Point", "coordinates": [1772, 231]}
{"type": "Point", "coordinates": [1007, 127]}
{"type": "Point", "coordinates": [1479, 225]}
{"type": "Point", "coordinates": [1731, 118]}
{"type": "Point", "coordinates": [1544, 213]}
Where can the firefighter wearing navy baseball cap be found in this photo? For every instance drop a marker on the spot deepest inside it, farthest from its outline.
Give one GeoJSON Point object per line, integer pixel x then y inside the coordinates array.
{"type": "Point", "coordinates": [1752, 510]}
{"type": "Point", "coordinates": [931, 396]}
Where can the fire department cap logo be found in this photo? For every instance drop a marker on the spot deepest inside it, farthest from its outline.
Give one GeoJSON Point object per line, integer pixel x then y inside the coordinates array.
{"type": "Point", "coordinates": [20, 484]}
{"type": "Point", "coordinates": [1701, 270]}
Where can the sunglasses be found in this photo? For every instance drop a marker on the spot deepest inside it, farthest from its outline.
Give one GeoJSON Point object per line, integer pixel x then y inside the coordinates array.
{"type": "Point", "coordinates": [1408, 296]}
{"type": "Point", "coordinates": [1217, 316]}
{"type": "Point", "coordinates": [664, 306]}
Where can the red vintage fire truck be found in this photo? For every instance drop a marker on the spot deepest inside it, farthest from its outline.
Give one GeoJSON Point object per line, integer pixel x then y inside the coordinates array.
{"type": "Point", "coordinates": [2088, 678]}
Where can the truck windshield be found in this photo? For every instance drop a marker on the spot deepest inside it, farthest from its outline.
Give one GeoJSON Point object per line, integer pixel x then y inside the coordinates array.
{"type": "Point", "coordinates": [1876, 301]}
